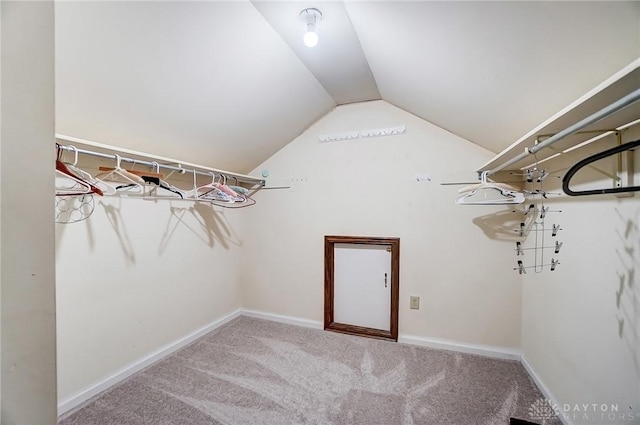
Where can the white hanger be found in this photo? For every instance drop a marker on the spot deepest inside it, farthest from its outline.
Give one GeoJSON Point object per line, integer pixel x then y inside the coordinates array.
{"type": "Point", "coordinates": [162, 184]}
{"type": "Point", "coordinates": [226, 189]}
{"type": "Point", "coordinates": [214, 192]}
{"type": "Point", "coordinates": [205, 192]}
{"type": "Point", "coordinates": [193, 193]}
{"type": "Point", "coordinates": [489, 193]}
{"type": "Point", "coordinates": [120, 175]}
{"type": "Point", "coordinates": [106, 188]}
{"type": "Point", "coordinates": [71, 183]}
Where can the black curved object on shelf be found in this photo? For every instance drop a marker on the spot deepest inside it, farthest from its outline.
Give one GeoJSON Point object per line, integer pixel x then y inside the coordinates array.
{"type": "Point", "coordinates": [573, 170]}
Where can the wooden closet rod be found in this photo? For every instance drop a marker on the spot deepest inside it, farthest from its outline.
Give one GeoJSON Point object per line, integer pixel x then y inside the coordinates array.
{"type": "Point", "coordinates": [199, 169]}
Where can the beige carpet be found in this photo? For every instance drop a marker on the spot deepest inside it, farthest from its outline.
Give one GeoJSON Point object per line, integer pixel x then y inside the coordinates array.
{"type": "Point", "coordinates": [254, 372]}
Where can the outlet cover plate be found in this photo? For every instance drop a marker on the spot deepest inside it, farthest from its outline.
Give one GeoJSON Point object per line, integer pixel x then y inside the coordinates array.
{"type": "Point", "coordinates": [414, 303]}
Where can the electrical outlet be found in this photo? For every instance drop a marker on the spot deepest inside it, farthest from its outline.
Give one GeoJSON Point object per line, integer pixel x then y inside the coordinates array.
{"type": "Point", "coordinates": [414, 303]}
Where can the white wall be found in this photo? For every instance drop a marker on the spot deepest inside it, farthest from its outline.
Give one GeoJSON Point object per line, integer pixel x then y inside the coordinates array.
{"type": "Point", "coordinates": [581, 323]}
{"type": "Point", "coordinates": [0, 207]}
{"type": "Point", "coordinates": [461, 270]}
{"type": "Point", "coordinates": [136, 276]}
{"type": "Point", "coordinates": [27, 239]}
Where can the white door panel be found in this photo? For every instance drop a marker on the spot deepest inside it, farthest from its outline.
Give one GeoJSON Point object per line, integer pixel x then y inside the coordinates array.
{"type": "Point", "coordinates": [362, 285]}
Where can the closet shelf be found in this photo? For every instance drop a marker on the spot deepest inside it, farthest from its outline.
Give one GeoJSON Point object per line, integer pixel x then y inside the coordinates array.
{"type": "Point", "coordinates": [107, 151]}
{"type": "Point", "coordinates": [624, 84]}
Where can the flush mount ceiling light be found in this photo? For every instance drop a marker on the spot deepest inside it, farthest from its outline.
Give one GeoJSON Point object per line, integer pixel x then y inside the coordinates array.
{"type": "Point", "coordinates": [310, 16]}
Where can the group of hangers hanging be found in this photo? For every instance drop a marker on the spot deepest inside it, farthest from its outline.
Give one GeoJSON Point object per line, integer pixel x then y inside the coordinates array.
{"type": "Point", "coordinates": [489, 193]}
{"type": "Point", "coordinates": [492, 193]}
{"type": "Point", "coordinates": [117, 180]}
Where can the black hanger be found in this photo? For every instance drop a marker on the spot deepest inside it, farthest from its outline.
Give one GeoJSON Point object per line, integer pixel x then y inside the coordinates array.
{"type": "Point", "coordinates": [160, 183]}
{"type": "Point", "coordinates": [567, 177]}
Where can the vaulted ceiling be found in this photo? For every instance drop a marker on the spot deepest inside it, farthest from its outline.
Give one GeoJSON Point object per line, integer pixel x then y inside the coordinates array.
{"type": "Point", "coordinates": [227, 84]}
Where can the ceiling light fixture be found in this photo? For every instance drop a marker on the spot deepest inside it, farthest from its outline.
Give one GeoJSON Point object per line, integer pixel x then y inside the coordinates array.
{"type": "Point", "coordinates": [310, 16]}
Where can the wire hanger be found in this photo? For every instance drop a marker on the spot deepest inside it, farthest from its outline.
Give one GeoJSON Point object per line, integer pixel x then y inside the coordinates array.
{"type": "Point", "coordinates": [489, 193]}
{"type": "Point", "coordinates": [566, 180]}
{"type": "Point", "coordinates": [522, 269]}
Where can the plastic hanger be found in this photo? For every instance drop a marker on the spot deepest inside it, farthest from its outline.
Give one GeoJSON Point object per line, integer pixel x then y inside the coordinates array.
{"type": "Point", "coordinates": [79, 185]}
{"type": "Point", "coordinates": [226, 189]}
{"type": "Point", "coordinates": [71, 185]}
{"type": "Point", "coordinates": [129, 181]}
{"type": "Point", "coordinates": [210, 192]}
{"type": "Point", "coordinates": [566, 180]}
{"type": "Point", "coordinates": [104, 187]}
{"type": "Point", "coordinates": [489, 193]}
{"type": "Point", "coordinates": [155, 178]}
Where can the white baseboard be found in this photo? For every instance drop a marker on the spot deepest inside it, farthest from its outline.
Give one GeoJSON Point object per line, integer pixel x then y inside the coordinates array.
{"type": "Point", "coordinates": [483, 350]}
{"type": "Point", "coordinates": [307, 323]}
{"type": "Point", "coordinates": [544, 389]}
{"type": "Point", "coordinates": [444, 344]}
{"type": "Point", "coordinates": [136, 366]}
{"type": "Point", "coordinates": [128, 370]}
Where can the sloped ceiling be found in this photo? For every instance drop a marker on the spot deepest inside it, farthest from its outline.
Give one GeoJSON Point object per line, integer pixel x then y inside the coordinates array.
{"type": "Point", "coordinates": [227, 84]}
